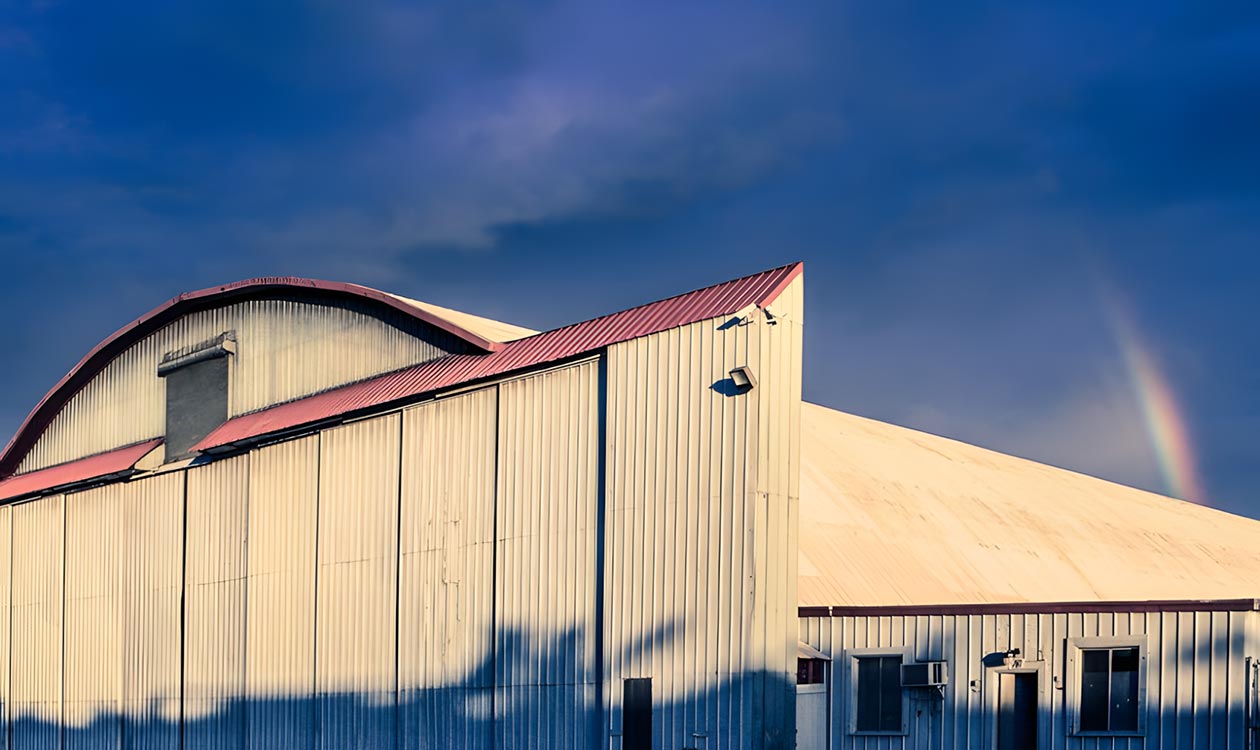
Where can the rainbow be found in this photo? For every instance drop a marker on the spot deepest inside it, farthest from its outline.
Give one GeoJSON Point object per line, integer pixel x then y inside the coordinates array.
{"type": "Point", "coordinates": [1163, 417]}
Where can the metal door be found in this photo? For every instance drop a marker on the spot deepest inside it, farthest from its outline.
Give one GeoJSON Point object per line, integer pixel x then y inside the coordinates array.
{"type": "Point", "coordinates": [1017, 711]}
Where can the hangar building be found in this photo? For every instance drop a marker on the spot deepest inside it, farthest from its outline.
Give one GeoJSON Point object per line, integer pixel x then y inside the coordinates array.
{"type": "Point", "coordinates": [300, 514]}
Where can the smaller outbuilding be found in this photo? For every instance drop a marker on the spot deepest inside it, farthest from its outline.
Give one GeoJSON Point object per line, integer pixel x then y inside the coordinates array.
{"type": "Point", "coordinates": [954, 597]}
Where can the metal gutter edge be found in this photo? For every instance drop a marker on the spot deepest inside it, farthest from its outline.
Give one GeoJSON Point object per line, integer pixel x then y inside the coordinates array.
{"type": "Point", "coordinates": [985, 608]}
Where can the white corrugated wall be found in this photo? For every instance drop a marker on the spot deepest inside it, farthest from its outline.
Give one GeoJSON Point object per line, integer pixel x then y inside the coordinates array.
{"type": "Point", "coordinates": [545, 573]}
{"type": "Point", "coordinates": [701, 495]}
{"type": "Point", "coordinates": [153, 580]}
{"type": "Point", "coordinates": [214, 605]}
{"type": "Point", "coordinates": [277, 340]}
{"type": "Point", "coordinates": [446, 559]}
{"type": "Point", "coordinates": [280, 596]}
{"type": "Point", "coordinates": [94, 625]}
{"type": "Point", "coordinates": [36, 616]}
{"type": "Point", "coordinates": [435, 575]}
{"type": "Point", "coordinates": [779, 369]}
{"type": "Point", "coordinates": [1195, 668]}
{"type": "Point", "coordinates": [356, 585]}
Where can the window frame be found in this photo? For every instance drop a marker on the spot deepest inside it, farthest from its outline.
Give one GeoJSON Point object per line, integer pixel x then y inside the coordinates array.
{"type": "Point", "coordinates": [851, 689]}
{"type": "Point", "coordinates": [1076, 646]}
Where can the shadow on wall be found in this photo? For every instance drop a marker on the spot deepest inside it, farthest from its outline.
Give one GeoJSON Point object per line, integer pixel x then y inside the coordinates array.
{"type": "Point", "coordinates": [544, 698]}
{"type": "Point", "coordinates": [1213, 714]}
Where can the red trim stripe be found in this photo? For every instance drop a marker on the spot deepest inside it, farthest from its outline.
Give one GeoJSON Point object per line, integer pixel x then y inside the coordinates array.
{"type": "Point", "coordinates": [103, 353]}
{"type": "Point", "coordinates": [534, 351]}
{"type": "Point", "coordinates": [1014, 608]}
{"type": "Point", "coordinates": [117, 461]}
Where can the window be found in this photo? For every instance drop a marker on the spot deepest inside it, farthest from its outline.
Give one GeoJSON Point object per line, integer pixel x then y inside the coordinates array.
{"type": "Point", "coordinates": [1108, 678]}
{"type": "Point", "coordinates": [811, 671]}
{"type": "Point", "coordinates": [877, 699]}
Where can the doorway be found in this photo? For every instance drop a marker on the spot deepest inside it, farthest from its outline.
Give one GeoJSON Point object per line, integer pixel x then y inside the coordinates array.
{"type": "Point", "coordinates": [1017, 711]}
{"type": "Point", "coordinates": [636, 713]}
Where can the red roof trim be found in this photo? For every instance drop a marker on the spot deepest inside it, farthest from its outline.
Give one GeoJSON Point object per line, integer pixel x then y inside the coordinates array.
{"type": "Point", "coordinates": [101, 355]}
{"type": "Point", "coordinates": [1154, 605]}
{"type": "Point", "coordinates": [774, 293]}
{"type": "Point", "coordinates": [537, 350]}
{"type": "Point", "coordinates": [101, 465]}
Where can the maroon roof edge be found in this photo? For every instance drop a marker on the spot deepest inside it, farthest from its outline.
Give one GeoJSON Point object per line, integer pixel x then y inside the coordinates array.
{"type": "Point", "coordinates": [540, 349]}
{"type": "Point", "coordinates": [101, 465]}
{"type": "Point", "coordinates": [988, 608]}
{"type": "Point", "coordinates": [101, 355]}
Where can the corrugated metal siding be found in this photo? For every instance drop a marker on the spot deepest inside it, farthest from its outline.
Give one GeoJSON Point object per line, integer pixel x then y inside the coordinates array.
{"type": "Point", "coordinates": [276, 342]}
{"type": "Point", "coordinates": [1195, 680]}
{"type": "Point", "coordinates": [274, 577]}
{"type": "Point", "coordinates": [778, 357]}
{"type": "Point", "coordinates": [544, 348]}
{"type": "Point", "coordinates": [701, 485]}
{"type": "Point", "coordinates": [356, 629]}
{"type": "Point", "coordinates": [153, 578]}
{"type": "Point", "coordinates": [6, 578]}
{"type": "Point", "coordinates": [546, 569]}
{"type": "Point", "coordinates": [280, 596]}
{"type": "Point", "coordinates": [93, 637]}
{"type": "Point", "coordinates": [214, 605]}
{"type": "Point", "coordinates": [35, 705]}
{"type": "Point", "coordinates": [446, 587]}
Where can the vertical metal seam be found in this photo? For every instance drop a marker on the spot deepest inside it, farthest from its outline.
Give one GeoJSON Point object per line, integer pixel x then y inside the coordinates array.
{"type": "Point", "coordinates": [8, 691]}
{"type": "Point", "coordinates": [315, 713]}
{"type": "Point", "coordinates": [398, 496]}
{"type": "Point", "coordinates": [61, 709]}
{"type": "Point", "coordinates": [121, 623]}
{"type": "Point", "coordinates": [494, 565]}
{"type": "Point", "coordinates": [183, 600]}
{"type": "Point", "coordinates": [247, 485]}
{"type": "Point", "coordinates": [601, 521]}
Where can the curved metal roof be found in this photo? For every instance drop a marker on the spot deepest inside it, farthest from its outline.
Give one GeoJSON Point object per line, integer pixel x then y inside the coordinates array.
{"type": "Point", "coordinates": [100, 356]}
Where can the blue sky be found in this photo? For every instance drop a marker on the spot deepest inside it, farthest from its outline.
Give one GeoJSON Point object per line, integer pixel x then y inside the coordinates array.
{"type": "Point", "coordinates": [972, 186]}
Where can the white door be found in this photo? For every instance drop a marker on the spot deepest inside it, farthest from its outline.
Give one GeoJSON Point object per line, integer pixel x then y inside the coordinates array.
{"type": "Point", "coordinates": [811, 717]}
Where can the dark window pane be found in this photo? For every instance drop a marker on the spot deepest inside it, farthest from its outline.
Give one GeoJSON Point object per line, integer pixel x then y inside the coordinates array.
{"type": "Point", "coordinates": [868, 695]}
{"type": "Point", "coordinates": [890, 694]}
{"type": "Point", "coordinates": [1094, 689]}
{"type": "Point", "coordinates": [1124, 660]}
{"type": "Point", "coordinates": [810, 671]}
{"type": "Point", "coordinates": [1124, 690]}
{"type": "Point", "coordinates": [879, 694]}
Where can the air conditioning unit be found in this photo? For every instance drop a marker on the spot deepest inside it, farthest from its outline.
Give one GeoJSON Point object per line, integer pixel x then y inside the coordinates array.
{"type": "Point", "coordinates": [925, 674]}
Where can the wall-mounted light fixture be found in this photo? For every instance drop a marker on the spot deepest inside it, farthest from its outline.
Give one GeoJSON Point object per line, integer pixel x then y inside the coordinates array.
{"type": "Point", "coordinates": [743, 379]}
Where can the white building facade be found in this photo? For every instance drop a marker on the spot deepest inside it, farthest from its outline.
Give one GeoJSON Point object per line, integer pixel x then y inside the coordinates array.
{"type": "Point", "coordinates": [287, 514]}
{"type": "Point", "coordinates": [1085, 675]}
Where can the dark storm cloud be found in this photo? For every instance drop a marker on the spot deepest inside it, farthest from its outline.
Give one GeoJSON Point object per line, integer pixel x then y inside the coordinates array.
{"type": "Point", "coordinates": [954, 175]}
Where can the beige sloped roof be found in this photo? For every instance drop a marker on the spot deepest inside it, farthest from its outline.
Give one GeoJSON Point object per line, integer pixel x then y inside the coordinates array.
{"type": "Point", "coordinates": [493, 330]}
{"type": "Point", "coordinates": [891, 516]}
